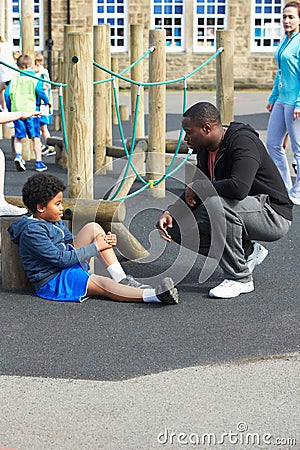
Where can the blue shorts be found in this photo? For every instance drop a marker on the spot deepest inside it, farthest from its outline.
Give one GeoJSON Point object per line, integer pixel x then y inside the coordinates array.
{"type": "Point", "coordinates": [70, 285]}
{"type": "Point", "coordinates": [29, 127]}
{"type": "Point", "coordinates": [46, 120]}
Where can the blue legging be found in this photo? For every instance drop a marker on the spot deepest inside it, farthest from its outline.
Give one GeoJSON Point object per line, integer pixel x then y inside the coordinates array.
{"type": "Point", "coordinates": [281, 122]}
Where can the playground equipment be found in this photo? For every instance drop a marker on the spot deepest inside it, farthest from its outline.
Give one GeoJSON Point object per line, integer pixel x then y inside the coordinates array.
{"type": "Point", "coordinates": [87, 117]}
{"type": "Point", "coordinates": [79, 144]}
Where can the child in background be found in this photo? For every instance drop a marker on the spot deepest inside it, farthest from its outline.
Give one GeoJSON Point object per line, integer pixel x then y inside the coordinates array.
{"type": "Point", "coordinates": [6, 74]}
{"type": "Point", "coordinates": [25, 93]}
{"type": "Point", "coordinates": [6, 209]}
{"type": "Point", "coordinates": [46, 117]}
{"type": "Point", "coordinates": [57, 263]}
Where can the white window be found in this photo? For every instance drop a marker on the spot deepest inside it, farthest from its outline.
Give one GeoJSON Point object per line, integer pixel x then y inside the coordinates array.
{"type": "Point", "coordinates": [266, 28]}
{"type": "Point", "coordinates": [114, 13]}
{"type": "Point", "coordinates": [210, 16]}
{"type": "Point", "coordinates": [169, 14]}
{"type": "Point", "coordinates": [14, 24]}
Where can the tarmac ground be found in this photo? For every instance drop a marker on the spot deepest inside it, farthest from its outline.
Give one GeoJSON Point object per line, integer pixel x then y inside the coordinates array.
{"type": "Point", "coordinates": [207, 373]}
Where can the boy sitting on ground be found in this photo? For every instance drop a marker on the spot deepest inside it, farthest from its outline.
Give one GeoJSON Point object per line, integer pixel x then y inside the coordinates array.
{"type": "Point", "coordinates": [57, 263]}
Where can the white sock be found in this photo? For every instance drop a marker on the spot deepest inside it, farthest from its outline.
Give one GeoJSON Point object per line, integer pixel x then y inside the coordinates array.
{"type": "Point", "coordinates": [150, 296]}
{"type": "Point", "coordinates": [116, 271]}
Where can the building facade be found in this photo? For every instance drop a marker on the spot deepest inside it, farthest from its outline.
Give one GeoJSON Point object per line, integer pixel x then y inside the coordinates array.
{"type": "Point", "coordinates": [190, 32]}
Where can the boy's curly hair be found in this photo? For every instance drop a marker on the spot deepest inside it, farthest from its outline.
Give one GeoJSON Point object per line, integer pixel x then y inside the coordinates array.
{"type": "Point", "coordinates": [40, 189]}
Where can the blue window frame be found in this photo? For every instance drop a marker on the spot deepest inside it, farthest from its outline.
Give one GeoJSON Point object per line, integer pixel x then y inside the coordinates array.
{"type": "Point", "coordinates": [209, 16]}
{"type": "Point", "coordinates": [266, 28]}
{"type": "Point", "coordinates": [169, 14]}
{"type": "Point", "coordinates": [114, 13]}
{"type": "Point", "coordinates": [14, 28]}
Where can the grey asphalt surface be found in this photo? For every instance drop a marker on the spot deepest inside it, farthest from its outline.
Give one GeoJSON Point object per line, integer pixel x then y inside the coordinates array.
{"type": "Point", "coordinates": [106, 375]}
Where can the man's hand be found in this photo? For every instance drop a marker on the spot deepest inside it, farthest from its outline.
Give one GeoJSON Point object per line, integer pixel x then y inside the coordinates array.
{"type": "Point", "coordinates": [190, 196]}
{"type": "Point", "coordinates": [164, 222]}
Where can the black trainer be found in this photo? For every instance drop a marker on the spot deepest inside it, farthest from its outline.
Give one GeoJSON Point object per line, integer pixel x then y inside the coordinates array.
{"type": "Point", "coordinates": [166, 292]}
{"type": "Point", "coordinates": [130, 281]}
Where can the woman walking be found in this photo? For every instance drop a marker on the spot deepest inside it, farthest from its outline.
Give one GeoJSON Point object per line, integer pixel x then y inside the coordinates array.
{"type": "Point", "coordinates": [284, 101]}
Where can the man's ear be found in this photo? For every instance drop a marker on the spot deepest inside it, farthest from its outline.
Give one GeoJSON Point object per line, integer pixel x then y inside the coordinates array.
{"type": "Point", "coordinates": [39, 208]}
{"type": "Point", "coordinates": [206, 127]}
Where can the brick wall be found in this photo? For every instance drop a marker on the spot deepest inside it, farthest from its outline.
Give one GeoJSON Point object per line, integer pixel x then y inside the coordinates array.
{"type": "Point", "coordinates": [251, 70]}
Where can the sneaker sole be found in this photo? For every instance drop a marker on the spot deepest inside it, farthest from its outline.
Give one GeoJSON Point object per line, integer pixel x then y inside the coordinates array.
{"type": "Point", "coordinates": [42, 170]}
{"type": "Point", "coordinates": [169, 293]}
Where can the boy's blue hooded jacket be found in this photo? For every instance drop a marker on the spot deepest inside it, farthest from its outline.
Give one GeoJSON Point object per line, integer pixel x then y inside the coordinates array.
{"type": "Point", "coordinates": [44, 248]}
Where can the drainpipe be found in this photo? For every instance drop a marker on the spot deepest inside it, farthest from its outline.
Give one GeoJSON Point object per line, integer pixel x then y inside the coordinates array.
{"type": "Point", "coordinates": [68, 12]}
{"type": "Point", "coordinates": [49, 41]}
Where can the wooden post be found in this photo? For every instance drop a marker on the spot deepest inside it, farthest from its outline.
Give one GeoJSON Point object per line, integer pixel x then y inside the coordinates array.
{"type": "Point", "coordinates": [138, 161]}
{"type": "Point", "coordinates": [108, 111]}
{"type": "Point", "coordinates": [157, 110]}
{"type": "Point", "coordinates": [96, 210]}
{"type": "Point", "coordinates": [60, 69]}
{"type": "Point", "coordinates": [65, 74]}
{"type": "Point", "coordinates": [127, 244]}
{"type": "Point", "coordinates": [27, 149]}
{"type": "Point", "coordinates": [137, 74]}
{"type": "Point", "coordinates": [27, 27]}
{"type": "Point", "coordinates": [100, 93]}
{"type": "Point", "coordinates": [5, 132]}
{"type": "Point", "coordinates": [224, 74]}
{"type": "Point", "coordinates": [124, 112]}
{"type": "Point", "coordinates": [13, 274]}
{"type": "Point", "coordinates": [80, 115]}
{"type": "Point", "coordinates": [61, 77]}
{"type": "Point", "coordinates": [115, 69]}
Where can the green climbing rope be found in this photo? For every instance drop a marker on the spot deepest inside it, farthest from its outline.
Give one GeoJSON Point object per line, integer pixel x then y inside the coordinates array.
{"type": "Point", "coordinates": [169, 172]}
{"type": "Point", "coordinates": [150, 183]}
{"type": "Point", "coordinates": [53, 83]}
{"type": "Point", "coordinates": [150, 50]}
{"type": "Point", "coordinates": [159, 83]}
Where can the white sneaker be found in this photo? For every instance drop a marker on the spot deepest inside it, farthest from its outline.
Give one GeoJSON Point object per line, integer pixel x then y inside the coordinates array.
{"type": "Point", "coordinates": [11, 210]}
{"type": "Point", "coordinates": [231, 288]}
{"type": "Point", "coordinates": [257, 256]}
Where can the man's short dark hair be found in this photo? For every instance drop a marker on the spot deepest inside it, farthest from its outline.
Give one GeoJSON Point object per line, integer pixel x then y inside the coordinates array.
{"type": "Point", "coordinates": [40, 189]}
{"type": "Point", "coordinates": [202, 112]}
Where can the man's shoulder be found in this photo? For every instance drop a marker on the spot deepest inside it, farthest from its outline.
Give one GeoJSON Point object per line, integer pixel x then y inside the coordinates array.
{"type": "Point", "coordinates": [239, 130]}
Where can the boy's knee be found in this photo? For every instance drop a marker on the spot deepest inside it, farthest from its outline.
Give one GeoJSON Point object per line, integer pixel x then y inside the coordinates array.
{"type": "Point", "coordinates": [96, 228]}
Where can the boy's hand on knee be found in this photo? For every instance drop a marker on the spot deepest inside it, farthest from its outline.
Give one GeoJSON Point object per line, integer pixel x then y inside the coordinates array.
{"type": "Point", "coordinates": [111, 239]}
{"type": "Point", "coordinates": [104, 242]}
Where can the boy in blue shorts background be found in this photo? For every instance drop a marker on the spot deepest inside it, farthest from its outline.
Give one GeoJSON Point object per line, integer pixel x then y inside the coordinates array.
{"type": "Point", "coordinates": [25, 94]}
{"type": "Point", "coordinates": [56, 262]}
{"type": "Point", "coordinates": [46, 117]}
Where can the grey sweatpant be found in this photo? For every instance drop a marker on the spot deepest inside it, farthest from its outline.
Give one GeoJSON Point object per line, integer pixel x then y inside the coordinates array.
{"type": "Point", "coordinates": [223, 229]}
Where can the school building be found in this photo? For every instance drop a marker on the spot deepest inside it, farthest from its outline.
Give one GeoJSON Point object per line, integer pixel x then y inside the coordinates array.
{"type": "Point", "coordinates": [190, 32]}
